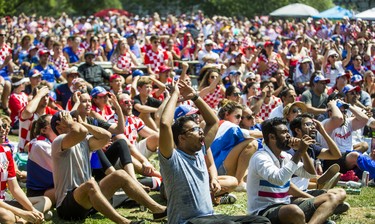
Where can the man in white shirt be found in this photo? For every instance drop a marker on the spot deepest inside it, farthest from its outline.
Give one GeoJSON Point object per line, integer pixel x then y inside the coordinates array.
{"type": "Point", "coordinates": [207, 55]}
{"type": "Point", "coordinates": [287, 96]}
{"type": "Point", "coordinates": [270, 172]}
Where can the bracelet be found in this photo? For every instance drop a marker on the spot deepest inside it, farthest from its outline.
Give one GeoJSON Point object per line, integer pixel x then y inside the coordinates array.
{"type": "Point", "coordinates": [195, 97]}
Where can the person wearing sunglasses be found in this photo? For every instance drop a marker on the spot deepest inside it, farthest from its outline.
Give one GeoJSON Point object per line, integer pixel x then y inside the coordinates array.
{"type": "Point", "coordinates": [332, 66]}
{"type": "Point", "coordinates": [292, 110]}
{"type": "Point", "coordinates": [357, 67]}
{"type": "Point", "coordinates": [233, 93]}
{"type": "Point", "coordinates": [183, 149]}
{"type": "Point", "coordinates": [232, 146]}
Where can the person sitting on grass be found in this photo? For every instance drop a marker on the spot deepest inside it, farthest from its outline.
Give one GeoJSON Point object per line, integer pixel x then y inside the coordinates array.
{"type": "Point", "coordinates": [76, 192]}
{"type": "Point", "coordinates": [187, 180]}
{"type": "Point", "coordinates": [269, 179]}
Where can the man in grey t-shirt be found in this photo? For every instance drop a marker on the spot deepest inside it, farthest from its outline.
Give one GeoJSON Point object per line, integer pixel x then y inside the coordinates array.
{"type": "Point", "coordinates": [187, 180]}
{"type": "Point", "coordinates": [76, 191]}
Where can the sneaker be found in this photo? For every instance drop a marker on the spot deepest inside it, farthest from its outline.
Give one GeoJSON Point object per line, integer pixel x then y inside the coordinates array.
{"type": "Point", "coordinates": [240, 188]}
{"type": "Point", "coordinates": [48, 215]}
{"type": "Point", "coordinates": [160, 216]}
{"type": "Point", "coordinates": [228, 199]}
{"type": "Point", "coordinates": [329, 222]}
{"type": "Point", "coordinates": [341, 208]}
{"type": "Point", "coordinates": [331, 183]}
{"type": "Point", "coordinates": [327, 176]}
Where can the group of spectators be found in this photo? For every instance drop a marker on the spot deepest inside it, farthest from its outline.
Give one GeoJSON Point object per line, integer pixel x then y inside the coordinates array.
{"type": "Point", "coordinates": [277, 109]}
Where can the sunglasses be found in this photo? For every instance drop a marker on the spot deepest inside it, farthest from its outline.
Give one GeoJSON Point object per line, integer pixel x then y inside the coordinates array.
{"type": "Point", "coordinates": [334, 56]}
{"type": "Point", "coordinates": [193, 129]}
{"type": "Point", "coordinates": [156, 42]}
{"type": "Point", "coordinates": [238, 116]}
{"type": "Point", "coordinates": [4, 126]}
{"type": "Point", "coordinates": [315, 48]}
{"type": "Point", "coordinates": [236, 94]}
{"type": "Point", "coordinates": [297, 110]}
{"type": "Point", "coordinates": [248, 117]}
{"type": "Point", "coordinates": [309, 124]}
{"type": "Point", "coordinates": [2, 35]}
{"type": "Point", "coordinates": [358, 59]}
{"type": "Point", "coordinates": [127, 102]}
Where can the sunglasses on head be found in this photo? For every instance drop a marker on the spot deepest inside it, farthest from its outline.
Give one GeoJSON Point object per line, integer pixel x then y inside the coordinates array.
{"type": "Point", "coordinates": [297, 110]}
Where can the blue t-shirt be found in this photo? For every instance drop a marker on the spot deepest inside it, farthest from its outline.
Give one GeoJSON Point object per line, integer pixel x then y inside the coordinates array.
{"type": "Point", "coordinates": [187, 186]}
{"type": "Point", "coordinates": [49, 73]}
{"type": "Point", "coordinates": [72, 56]}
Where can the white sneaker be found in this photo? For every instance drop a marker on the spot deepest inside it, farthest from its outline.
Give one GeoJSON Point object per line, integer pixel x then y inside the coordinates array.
{"type": "Point", "coordinates": [240, 188]}
{"type": "Point", "coordinates": [228, 199]}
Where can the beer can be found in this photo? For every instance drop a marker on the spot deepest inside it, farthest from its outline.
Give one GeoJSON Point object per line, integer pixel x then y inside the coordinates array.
{"type": "Point", "coordinates": [353, 184]}
{"type": "Point", "coordinates": [365, 178]}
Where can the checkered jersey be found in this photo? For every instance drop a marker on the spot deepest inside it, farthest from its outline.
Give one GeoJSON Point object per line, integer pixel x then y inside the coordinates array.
{"type": "Point", "coordinates": [85, 45]}
{"type": "Point", "coordinates": [60, 63]}
{"type": "Point", "coordinates": [107, 112]}
{"type": "Point", "coordinates": [97, 52]}
{"type": "Point", "coordinates": [16, 103]}
{"type": "Point", "coordinates": [7, 171]}
{"type": "Point", "coordinates": [133, 125]}
{"type": "Point", "coordinates": [266, 109]}
{"type": "Point", "coordinates": [272, 65]}
{"type": "Point", "coordinates": [156, 59]}
{"type": "Point", "coordinates": [123, 61]}
{"type": "Point", "coordinates": [213, 99]}
{"type": "Point", "coordinates": [4, 52]}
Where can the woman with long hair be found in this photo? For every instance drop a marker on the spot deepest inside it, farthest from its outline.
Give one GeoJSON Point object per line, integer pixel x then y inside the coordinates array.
{"type": "Point", "coordinates": [95, 47]}
{"type": "Point", "coordinates": [211, 88]}
{"type": "Point", "coordinates": [250, 90]}
{"type": "Point", "coordinates": [269, 61]}
{"type": "Point", "coordinates": [123, 60]}
{"type": "Point", "coordinates": [23, 49]}
{"type": "Point", "coordinates": [332, 66]}
{"type": "Point", "coordinates": [232, 147]}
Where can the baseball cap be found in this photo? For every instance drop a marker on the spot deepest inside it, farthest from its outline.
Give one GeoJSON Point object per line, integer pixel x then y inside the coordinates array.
{"type": "Point", "coordinates": [235, 54]}
{"type": "Point", "coordinates": [34, 73]}
{"type": "Point", "coordinates": [249, 75]}
{"type": "Point", "coordinates": [43, 52]}
{"type": "Point", "coordinates": [89, 53]}
{"type": "Point", "coordinates": [98, 91]}
{"type": "Point", "coordinates": [343, 74]}
{"type": "Point", "coordinates": [72, 70]}
{"type": "Point", "coordinates": [356, 78]}
{"type": "Point", "coordinates": [184, 110]}
{"type": "Point", "coordinates": [268, 43]}
{"type": "Point", "coordinates": [137, 72]}
{"type": "Point", "coordinates": [164, 68]}
{"type": "Point", "coordinates": [298, 37]}
{"type": "Point", "coordinates": [114, 76]}
{"type": "Point", "coordinates": [291, 44]}
{"type": "Point", "coordinates": [332, 52]}
{"type": "Point", "coordinates": [350, 88]}
{"type": "Point", "coordinates": [33, 47]}
{"type": "Point", "coordinates": [319, 78]}
{"type": "Point", "coordinates": [208, 42]}
{"type": "Point", "coordinates": [299, 104]}
{"type": "Point", "coordinates": [234, 72]}
{"type": "Point", "coordinates": [305, 59]}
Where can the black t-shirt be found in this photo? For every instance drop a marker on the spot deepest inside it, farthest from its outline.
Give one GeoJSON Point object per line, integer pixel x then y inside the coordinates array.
{"type": "Point", "coordinates": [99, 123]}
{"type": "Point", "coordinates": [151, 102]}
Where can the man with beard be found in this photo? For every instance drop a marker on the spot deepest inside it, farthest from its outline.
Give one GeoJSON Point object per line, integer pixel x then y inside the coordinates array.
{"type": "Point", "coordinates": [270, 172]}
{"type": "Point", "coordinates": [187, 180]}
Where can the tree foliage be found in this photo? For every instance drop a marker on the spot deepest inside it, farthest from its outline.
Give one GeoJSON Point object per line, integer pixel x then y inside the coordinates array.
{"type": "Point", "coordinates": [143, 7]}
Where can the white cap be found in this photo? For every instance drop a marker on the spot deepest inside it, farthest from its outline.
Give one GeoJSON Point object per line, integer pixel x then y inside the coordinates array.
{"type": "Point", "coordinates": [208, 42]}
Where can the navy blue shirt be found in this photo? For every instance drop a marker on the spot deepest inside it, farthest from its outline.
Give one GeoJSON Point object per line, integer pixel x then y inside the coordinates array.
{"type": "Point", "coordinates": [63, 93]}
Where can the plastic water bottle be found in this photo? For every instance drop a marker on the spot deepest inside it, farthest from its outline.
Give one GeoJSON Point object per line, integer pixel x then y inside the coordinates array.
{"type": "Point", "coordinates": [353, 184]}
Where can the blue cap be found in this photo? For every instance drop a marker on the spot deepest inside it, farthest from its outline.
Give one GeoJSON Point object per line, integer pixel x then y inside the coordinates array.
{"type": "Point", "coordinates": [349, 88]}
{"type": "Point", "coordinates": [34, 73]}
{"type": "Point", "coordinates": [98, 91]}
{"type": "Point", "coordinates": [137, 72]}
{"type": "Point", "coordinates": [356, 78]}
{"type": "Point", "coordinates": [319, 78]}
{"type": "Point", "coordinates": [234, 72]}
{"type": "Point", "coordinates": [183, 110]}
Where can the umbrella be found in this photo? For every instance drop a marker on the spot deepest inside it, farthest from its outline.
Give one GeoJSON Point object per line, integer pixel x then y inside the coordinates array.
{"type": "Point", "coordinates": [368, 14]}
{"type": "Point", "coordinates": [107, 12]}
{"type": "Point", "coordinates": [335, 13]}
{"type": "Point", "coordinates": [295, 10]}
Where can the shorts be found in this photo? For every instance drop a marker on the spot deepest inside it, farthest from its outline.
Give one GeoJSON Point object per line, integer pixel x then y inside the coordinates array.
{"type": "Point", "coordinates": [272, 212]}
{"type": "Point", "coordinates": [69, 208]}
{"type": "Point", "coordinates": [222, 171]}
{"type": "Point", "coordinates": [341, 162]}
{"type": "Point", "coordinates": [142, 148]}
{"type": "Point", "coordinates": [34, 193]}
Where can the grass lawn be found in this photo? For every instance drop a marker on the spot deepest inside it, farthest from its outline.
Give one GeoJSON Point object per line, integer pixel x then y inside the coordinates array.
{"type": "Point", "coordinates": [362, 208]}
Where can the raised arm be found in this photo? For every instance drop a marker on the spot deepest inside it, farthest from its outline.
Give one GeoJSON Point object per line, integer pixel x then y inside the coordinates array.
{"type": "Point", "coordinates": [119, 127]}
{"type": "Point", "coordinates": [166, 142]}
{"type": "Point", "coordinates": [32, 106]}
{"type": "Point", "coordinates": [100, 136]}
{"type": "Point", "coordinates": [333, 151]}
{"type": "Point", "coordinates": [336, 118]}
{"type": "Point", "coordinates": [77, 131]}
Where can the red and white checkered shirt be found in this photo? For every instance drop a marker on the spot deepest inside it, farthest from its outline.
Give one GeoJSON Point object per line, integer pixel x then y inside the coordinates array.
{"type": "Point", "coordinates": [123, 61]}
{"type": "Point", "coordinates": [4, 52]}
{"type": "Point", "coordinates": [156, 59]}
{"type": "Point", "coordinates": [7, 170]}
{"type": "Point", "coordinates": [107, 112]}
{"type": "Point", "coordinates": [60, 63]}
{"type": "Point", "coordinates": [85, 45]}
{"type": "Point", "coordinates": [272, 65]}
{"type": "Point", "coordinates": [266, 109]}
{"type": "Point", "coordinates": [213, 99]}
{"type": "Point", "coordinates": [133, 125]}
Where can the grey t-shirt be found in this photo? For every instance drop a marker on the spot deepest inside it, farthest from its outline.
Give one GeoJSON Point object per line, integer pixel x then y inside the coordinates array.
{"type": "Point", "coordinates": [71, 167]}
{"type": "Point", "coordinates": [309, 97]}
{"type": "Point", "coordinates": [187, 185]}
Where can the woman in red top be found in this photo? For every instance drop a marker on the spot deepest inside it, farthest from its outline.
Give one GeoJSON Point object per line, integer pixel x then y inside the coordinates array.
{"type": "Point", "coordinates": [100, 103]}
{"type": "Point", "coordinates": [269, 61]}
{"type": "Point", "coordinates": [17, 100]}
{"type": "Point", "coordinates": [211, 88]}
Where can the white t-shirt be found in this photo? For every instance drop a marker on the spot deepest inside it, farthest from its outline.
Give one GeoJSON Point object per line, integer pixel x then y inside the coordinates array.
{"type": "Point", "coordinates": [342, 136]}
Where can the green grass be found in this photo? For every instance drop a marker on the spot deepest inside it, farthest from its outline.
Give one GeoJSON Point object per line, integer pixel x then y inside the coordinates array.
{"type": "Point", "coordinates": [362, 208]}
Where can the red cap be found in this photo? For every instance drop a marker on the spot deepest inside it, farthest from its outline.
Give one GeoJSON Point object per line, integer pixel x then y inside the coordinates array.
{"type": "Point", "coordinates": [268, 43]}
{"type": "Point", "coordinates": [164, 68]}
{"type": "Point", "coordinates": [43, 52]}
{"type": "Point", "coordinates": [114, 76]}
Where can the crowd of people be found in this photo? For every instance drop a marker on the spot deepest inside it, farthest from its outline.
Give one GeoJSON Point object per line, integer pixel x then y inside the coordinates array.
{"type": "Point", "coordinates": [274, 108]}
